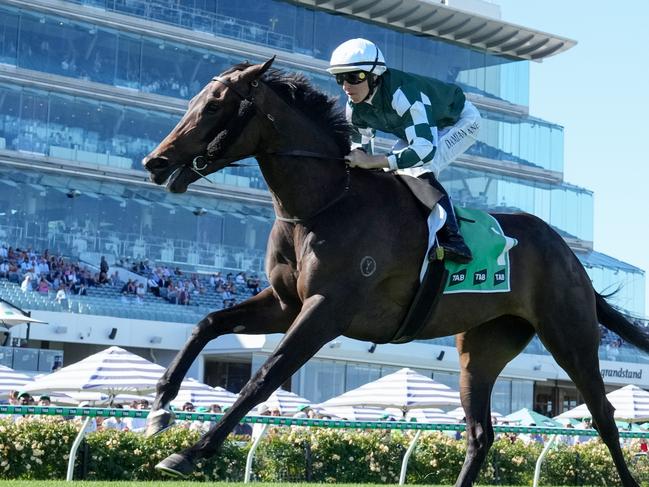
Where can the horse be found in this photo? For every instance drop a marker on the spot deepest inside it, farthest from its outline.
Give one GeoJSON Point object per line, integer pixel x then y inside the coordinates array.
{"type": "Point", "coordinates": [330, 222]}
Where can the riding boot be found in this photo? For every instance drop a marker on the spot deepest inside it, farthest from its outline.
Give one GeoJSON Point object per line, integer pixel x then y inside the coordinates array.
{"type": "Point", "coordinates": [451, 240]}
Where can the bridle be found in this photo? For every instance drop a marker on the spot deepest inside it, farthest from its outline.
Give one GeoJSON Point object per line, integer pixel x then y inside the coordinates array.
{"type": "Point", "coordinates": [201, 162]}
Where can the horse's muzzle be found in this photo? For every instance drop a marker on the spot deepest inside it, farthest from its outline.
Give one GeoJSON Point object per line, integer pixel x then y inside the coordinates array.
{"type": "Point", "coordinates": [159, 168]}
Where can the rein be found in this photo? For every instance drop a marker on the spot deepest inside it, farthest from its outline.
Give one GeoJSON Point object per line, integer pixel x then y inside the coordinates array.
{"type": "Point", "coordinates": [201, 162]}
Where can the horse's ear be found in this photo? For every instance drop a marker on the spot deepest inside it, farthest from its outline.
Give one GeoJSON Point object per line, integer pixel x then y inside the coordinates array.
{"type": "Point", "coordinates": [258, 70]}
{"type": "Point", "coordinates": [266, 65]}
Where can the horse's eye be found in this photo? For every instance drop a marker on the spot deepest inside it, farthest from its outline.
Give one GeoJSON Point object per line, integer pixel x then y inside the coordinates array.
{"type": "Point", "coordinates": [212, 107]}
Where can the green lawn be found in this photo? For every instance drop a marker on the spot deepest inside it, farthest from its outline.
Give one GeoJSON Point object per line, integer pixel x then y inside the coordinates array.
{"type": "Point", "coordinates": [173, 483]}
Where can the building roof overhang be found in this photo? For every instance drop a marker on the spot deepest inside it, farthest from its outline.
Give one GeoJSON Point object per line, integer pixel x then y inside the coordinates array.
{"type": "Point", "coordinates": [429, 18]}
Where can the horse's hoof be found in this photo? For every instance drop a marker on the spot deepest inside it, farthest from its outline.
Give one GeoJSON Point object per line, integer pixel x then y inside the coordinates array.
{"type": "Point", "coordinates": [175, 465]}
{"type": "Point", "coordinates": [158, 421]}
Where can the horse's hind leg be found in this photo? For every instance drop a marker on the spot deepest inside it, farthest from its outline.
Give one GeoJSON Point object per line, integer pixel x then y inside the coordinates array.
{"type": "Point", "coordinates": [262, 313]}
{"type": "Point", "coordinates": [573, 341]}
{"type": "Point", "coordinates": [484, 352]}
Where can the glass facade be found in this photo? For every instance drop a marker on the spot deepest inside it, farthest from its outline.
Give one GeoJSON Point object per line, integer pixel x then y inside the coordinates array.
{"type": "Point", "coordinates": [530, 142]}
{"type": "Point", "coordinates": [567, 208]}
{"type": "Point", "coordinates": [117, 58]}
{"type": "Point", "coordinates": [93, 132]}
{"type": "Point", "coordinates": [301, 30]}
{"type": "Point", "coordinates": [627, 285]}
{"type": "Point", "coordinates": [97, 132]}
{"type": "Point", "coordinates": [124, 220]}
{"type": "Point", "coordinates": [73, 214]}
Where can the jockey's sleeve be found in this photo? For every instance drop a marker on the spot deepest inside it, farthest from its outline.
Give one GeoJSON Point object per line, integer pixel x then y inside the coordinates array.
{"type": "Point", "coordinates": [420, 130]}
{"type": "Point", "coordinates": [362, 138]}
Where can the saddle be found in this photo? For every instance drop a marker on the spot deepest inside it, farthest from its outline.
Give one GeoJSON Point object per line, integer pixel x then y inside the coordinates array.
{"type": "Point", "coordinates": [488, 272]}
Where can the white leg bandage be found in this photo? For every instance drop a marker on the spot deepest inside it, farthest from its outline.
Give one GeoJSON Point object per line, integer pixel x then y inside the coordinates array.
{"type": "Point", "coordinates": [435, 221]}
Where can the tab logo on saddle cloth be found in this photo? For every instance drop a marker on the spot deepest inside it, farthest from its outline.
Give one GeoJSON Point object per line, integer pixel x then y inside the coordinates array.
{"type": "Point", "coordinates": [488, 272]}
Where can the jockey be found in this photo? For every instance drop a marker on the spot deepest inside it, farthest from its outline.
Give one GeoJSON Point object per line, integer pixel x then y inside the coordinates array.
{"type": "Point", "coordinates": [433, 121]}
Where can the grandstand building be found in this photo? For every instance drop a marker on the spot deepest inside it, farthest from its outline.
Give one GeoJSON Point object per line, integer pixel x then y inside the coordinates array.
{"type": "Point", "coordinates": [88, 87]}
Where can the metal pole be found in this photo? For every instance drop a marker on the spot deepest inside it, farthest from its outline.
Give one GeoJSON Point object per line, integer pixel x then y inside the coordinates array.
{"type": "Point", "coordinates": [539, 461]}
{"type": "Point", "coordinates": [406, 457]}
{"type": "Point", "coordinates": [75, 447]}
{"type": "Point", "coordinates": [251, 454]}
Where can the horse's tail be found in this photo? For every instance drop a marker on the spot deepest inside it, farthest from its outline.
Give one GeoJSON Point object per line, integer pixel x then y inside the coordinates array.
{"type": "Point", "coordinates": [618, 323]}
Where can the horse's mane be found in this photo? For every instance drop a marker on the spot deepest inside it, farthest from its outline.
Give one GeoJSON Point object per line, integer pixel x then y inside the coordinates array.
{"type": "Point", "coordinates": [297, 91]}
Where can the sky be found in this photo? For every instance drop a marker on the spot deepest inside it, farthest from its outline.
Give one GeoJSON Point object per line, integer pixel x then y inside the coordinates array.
{"type": "Point", "coordinates": [599, 92]}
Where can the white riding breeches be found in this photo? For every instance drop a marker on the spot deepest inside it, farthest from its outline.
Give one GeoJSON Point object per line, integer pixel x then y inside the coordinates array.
{"type": "Point", "coordinates": [453, 142]}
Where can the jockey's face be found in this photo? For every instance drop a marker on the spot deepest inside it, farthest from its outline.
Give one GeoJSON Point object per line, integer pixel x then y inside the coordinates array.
{"type": "Point", "coordinates": [357, 92]}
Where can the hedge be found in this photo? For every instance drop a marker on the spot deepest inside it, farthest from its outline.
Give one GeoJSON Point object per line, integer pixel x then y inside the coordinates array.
{"type": "Point", "coordinates": [37, 448]}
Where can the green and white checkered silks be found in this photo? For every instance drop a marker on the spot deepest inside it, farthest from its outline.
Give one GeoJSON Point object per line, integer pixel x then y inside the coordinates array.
{"type": "Point", "coordinates": [421, 135]}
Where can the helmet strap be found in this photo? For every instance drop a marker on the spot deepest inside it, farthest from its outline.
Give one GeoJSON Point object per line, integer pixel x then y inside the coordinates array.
{"type": "Point", "coordinates": [373, 82]}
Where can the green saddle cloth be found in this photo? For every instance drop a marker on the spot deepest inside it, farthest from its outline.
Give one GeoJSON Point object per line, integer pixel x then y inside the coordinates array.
{"type": "Point", "coordinates": [488, 272]}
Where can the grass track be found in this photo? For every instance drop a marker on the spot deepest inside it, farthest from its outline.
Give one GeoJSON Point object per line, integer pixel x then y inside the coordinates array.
{"type": "Point", "coordinates": [172, 483]}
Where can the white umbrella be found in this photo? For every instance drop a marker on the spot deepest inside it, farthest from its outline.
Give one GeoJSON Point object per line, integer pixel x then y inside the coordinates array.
{"type": "Point", "coordinates": [112, 371]}
{"type": "Point", "coordinates": [458, 413]}
{"type": "Point", "coordinates": [202, 395]}
{"type": "Point", "coordinates": [430, 415]}
{"type": "Point", "coordinates": [352, 413]}
{"type": "Point", "coordinates": [631, 404]}
{"type": "Point", "coordinates": [95, 399]}
{"type": "Point", "coordinates": [11, 315]}
{"type": "Point", "coordinates": [286, 402]}
{"type": "Point", "coordinates": [403, 390]}
{"type": "Point", "coordinates": [10, 380]}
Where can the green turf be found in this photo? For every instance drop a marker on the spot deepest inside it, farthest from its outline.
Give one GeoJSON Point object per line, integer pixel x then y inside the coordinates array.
{"type": "Point", "coordinates": [173, 483]}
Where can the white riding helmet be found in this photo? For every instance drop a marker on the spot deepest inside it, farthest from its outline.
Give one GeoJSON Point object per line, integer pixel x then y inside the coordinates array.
{"type": "Point", "coordinates": [357, 55]}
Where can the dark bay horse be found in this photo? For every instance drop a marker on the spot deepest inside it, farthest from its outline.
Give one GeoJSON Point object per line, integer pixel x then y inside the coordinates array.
{"type": "Point", "coordinates": [330, 220]}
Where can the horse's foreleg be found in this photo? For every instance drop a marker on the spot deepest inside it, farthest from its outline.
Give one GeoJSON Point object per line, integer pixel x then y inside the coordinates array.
{"type": "Point", "coordinates": [319, 322]}
{"type": "Point", "coordinates": [262, 313]}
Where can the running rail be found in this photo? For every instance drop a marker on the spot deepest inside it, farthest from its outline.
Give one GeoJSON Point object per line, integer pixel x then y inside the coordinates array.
{"type": "Point", "coordinates": [88, 412]}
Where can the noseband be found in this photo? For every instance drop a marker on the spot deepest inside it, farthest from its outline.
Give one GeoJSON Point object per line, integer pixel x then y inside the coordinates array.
{"type": "Point", "coordinates": [201, 162]}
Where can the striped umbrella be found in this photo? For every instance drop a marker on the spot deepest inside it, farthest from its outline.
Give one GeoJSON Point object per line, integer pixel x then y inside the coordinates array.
{"type": "Point", "coordinates": [286, 402]}
{"type": "Point", "coordinates": [10, 380]}
{"type": "Point", "coordinates": [352, 413]}
{"type": "Point", "coordinates": [403, 390]}
{"type": "Point", "coordinates": [631, 403]}
{"type": "Point", "coordinates": [429, 415]}
{"type": "Point", "coordinates": [112, 371]}
{"type": "Point", "coordinates": [202, 395]}
{"type": "Point", "coordinates": [458, 414]}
